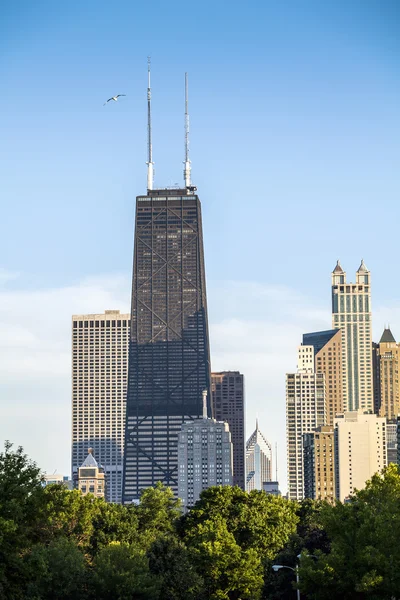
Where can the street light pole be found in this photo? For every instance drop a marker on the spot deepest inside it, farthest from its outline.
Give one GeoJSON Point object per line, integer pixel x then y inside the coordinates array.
{"type": "Point", "coordinates": [295, 570]}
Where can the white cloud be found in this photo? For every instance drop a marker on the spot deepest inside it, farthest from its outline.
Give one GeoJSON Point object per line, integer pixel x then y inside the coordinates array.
{"type": "Point", "coordinates": [253, 328]}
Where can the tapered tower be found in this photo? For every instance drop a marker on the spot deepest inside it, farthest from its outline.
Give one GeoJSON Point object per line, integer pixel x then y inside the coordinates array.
{"type": "Point", "coordinates": [169, 364]}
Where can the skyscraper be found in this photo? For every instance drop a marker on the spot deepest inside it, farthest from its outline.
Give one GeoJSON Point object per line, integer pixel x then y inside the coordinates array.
{"type": "Point", "coordinates": [387, 366]}
{"type": "Point", "coordinates": [228, 405]}
{"type": "Point", "coordinates": [328, 360]}
{"type": "Point", "coordinates": [351, 313]}
{"type": "Point", "coordinates": [360, 450]}
{"type": "Point", "coordinates": [305, 411]}
{"type": "Point", "coordinates": [169, 364]}
{"type": "Point", "coordinates": [319, 464]}
{"type": "Point", "coordinates": [204, 456]}
{"type": "Point", "coordinates": [100, 345]}
{"type": "Point", "coordinates": [258, 461]}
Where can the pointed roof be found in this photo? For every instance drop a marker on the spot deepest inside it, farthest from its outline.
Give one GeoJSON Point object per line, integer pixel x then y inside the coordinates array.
{"type": "Point", "coordinates": [90, 460]}
{"type": "Point", "coordinates": [338, 268]}
{"type": "Point", "coordinates": [387, 337]}
{"type": "Point", "coordinates": [362, 268]}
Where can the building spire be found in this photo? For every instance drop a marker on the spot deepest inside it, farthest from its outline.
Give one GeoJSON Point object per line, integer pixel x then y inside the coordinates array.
{"type": "Point", "coordinates": [187, 168]}
{"type": "Point", "coordinates": [150, 164]}
{"type": "Point", "coordinates": [338, 268]}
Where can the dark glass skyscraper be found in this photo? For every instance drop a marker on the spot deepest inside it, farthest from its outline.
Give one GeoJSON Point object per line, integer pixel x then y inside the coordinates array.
{"type": "Point", "coordinates": [169, 363]}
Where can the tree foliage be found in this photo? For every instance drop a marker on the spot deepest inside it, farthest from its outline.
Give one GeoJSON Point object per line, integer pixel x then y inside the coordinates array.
{"type": "Point", "coordinates": [58, 544]}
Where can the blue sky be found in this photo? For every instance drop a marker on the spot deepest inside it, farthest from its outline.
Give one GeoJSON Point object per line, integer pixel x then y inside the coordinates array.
{"type": "Point", "coordinates": [295, 146]}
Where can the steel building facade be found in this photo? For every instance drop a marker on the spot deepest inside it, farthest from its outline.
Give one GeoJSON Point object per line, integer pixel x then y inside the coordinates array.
{"type": "Point", "coordinates": [169, 362]}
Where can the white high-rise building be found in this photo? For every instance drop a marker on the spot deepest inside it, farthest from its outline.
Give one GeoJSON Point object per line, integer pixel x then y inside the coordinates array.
{"type": "Point", "coordinates": [258, 461]}
{"type": "Point", "coordinates": [205, 456]}
{"type": "Point", "coordinates": [351, 313]}
{"type": "Point", "coordinates": [100, 345]}
{"type": "Point", "coordinates": [360, 450]}
{"type": "Point", "coordinates": [305, 411]}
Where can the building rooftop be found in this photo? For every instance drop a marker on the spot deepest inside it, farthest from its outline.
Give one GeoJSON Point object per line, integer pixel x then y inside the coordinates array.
{"type": "Point", "coordinates": [90, 460]}
{"type": "Point", "coordinates": [338, 268]}
{"type": "Point", "coordinates": [387, 337]}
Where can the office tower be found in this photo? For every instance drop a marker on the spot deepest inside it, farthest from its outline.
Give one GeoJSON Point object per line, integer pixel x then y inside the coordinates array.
{"type": "Point", "coordinates": [319, 464]}
{"type": "Point", "coordinates": [169, 364]}
{"type": "Point", "coordinates": [386, 372]}
{"type": "Point", "coordinates": [258, 460]}
{"type": "Point", "coordinates": [391, 441]}
{"type": "Point", "coordinates": [351, 313]}
{"type": "Point", "coordinates": [205, 456]}
{"type": "Point", "coordinates": [228, 405]}
{"type": "Point", "coordinates": [360, 450]}
{"type": "Point", "coordinates": [57, 479]}
{"type": "Point", "coordinates": [328, 360]}
{"type": "Point", "coordinates": [272, 488]}
{"type": "Point", "coordinates": [305, 411]}
{"type": "Point", "coordinates": [91, 477]}
{"type": "Point", "coordinates": [100, 345]}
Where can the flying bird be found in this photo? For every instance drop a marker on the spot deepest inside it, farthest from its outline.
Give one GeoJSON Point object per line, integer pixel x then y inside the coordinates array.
{"type": "Point", "coordinates": [115, 98]}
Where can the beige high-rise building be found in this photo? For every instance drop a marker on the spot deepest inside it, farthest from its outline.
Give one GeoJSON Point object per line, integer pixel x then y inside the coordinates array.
{"type": "Point", "coordinates": [351, 313]}
{"type": "Point", "coordinates": [319, 464]}
{"type": "Point", "coordinates": [328, 360]}
{"type": "Point", "coordinates": [387, 376]}
{"type": "Point", "coordinates": [91, 478]}
{"type": "Point", "coordinates": [100, 345]}
{"type": "Point", "coordinates": [360, 450]}
{"type": "Point", "coordinates": [305, 411]}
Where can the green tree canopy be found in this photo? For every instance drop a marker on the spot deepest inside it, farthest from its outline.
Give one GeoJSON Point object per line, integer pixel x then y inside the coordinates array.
{"type": "Point", "coordinates": [364, 557]}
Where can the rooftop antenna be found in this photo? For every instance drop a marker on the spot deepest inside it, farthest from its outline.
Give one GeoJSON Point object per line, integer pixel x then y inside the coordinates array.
{"type": "Point", "coordinates": [149, 163]}
{"type": "Point", "coordinates": [276, 461]}
{"type": "Point", "coordinates": [187, 169]}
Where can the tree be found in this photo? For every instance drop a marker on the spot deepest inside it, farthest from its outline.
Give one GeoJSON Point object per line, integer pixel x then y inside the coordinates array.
{"type": "Point", "coordinates": [121, 572]}
{"type": "Point", "coordinates": [20, 486]}
{"type": "Point", "coordinates": [364, 556]}
{"type": "Point", "coordinates": [229, 572]}
{"type": "Point", "coordinates": [257, 520]}
{"type": "Point", "coordinates": [309, 538]}
{"type": "Point", "coordinates": [56, 571]}
{"type": "Point", "coordinates": [157, 513]}
{"type": "Point", "coordinates": [170, 560]}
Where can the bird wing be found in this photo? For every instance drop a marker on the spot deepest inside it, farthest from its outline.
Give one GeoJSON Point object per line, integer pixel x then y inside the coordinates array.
{"type": "Point", "coordinates": [107, 101]}
{"type": "Point", "coordinates": [118, 95]}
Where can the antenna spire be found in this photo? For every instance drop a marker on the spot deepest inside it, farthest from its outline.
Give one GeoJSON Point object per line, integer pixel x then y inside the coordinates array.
{"type": "Point", "coordinates": [187, 168]}
{"type": "Point", "coordinates": [149, 163]}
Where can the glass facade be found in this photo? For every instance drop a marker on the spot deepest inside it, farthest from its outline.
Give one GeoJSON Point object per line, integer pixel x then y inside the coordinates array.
{"type": "Point", "coordinates": [169, 364]}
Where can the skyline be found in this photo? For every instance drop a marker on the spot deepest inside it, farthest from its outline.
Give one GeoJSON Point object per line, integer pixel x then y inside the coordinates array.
{"type": "Point", "coordinates": [314, 116]}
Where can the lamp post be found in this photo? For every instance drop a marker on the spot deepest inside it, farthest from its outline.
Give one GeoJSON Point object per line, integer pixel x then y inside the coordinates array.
{"type": "Point", "coordinates": [276, 568]}
{"type": "Point", "coordinates": [295, 569]}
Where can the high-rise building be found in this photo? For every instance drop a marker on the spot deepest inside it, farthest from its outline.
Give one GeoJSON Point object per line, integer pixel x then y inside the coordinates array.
{"type": "Point", "coordinates": [351, 313]}
{"type": "Point", "coordinates": [258, 460]}
{"type": "Point", "coordinates": [100, 345]}
{"type": "Point", "coordinates": [328, 360]}
{"type": "Point", "coordinates": [360, 450]}
{"type": "Point", "coordinates": [391, 441]}
{"type": "Point", "coordinates": [91, 478]}
{"type": "Point", "coordinates": [228, 405]}
{"type": "Point", "coordinates": [205, 457]}
{"type": "Point", "coordinates": [305, 411]}
{"type": "Point", "coordinates": [169, 363]}
{"type": "Point", "coordinates": [169, 359]}
{"type": "Point", "coordinates": [387, 363]}
{"type": "Point", "coordinates": [272, 488]}
{"type": "Point", "coordinates": [319, 464]}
